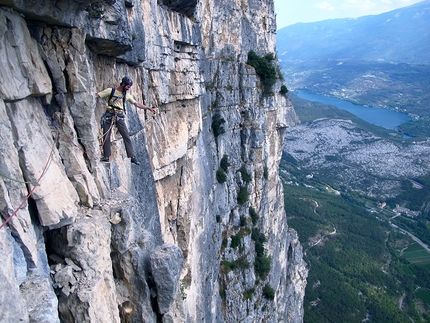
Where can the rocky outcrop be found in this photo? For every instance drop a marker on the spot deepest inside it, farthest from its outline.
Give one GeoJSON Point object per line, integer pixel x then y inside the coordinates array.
{"type": "Point", "coordinates": [166, 266]}
{"type": "Point", "coordinates": [168, 240]}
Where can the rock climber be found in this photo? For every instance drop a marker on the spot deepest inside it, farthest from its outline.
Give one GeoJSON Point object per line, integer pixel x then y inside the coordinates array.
{"type": "Point", "coordinates": [115, 115]}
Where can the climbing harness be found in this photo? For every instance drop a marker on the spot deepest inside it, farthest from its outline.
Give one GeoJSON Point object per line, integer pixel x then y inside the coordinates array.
{"type": "Point", "coordinates": [113, 108]}
{"type": "Point", "coordinates": [113, 118]}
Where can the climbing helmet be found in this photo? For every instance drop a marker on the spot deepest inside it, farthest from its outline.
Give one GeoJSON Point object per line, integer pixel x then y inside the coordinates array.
{"type": "Point", "coordinates": [126, 80]}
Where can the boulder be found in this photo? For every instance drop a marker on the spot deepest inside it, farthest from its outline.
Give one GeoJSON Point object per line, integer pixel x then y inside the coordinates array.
{"type": "Point", "coordinates": [166, 266]}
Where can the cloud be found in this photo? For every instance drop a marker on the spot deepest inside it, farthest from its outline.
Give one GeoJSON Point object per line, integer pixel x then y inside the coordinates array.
{"type": "Point", "coordinates": [398, 2]}
{"type": "Point", "coordinates": [376, 6]}
{"type": "Point", "coordinates": [325, 5]}
{"type": "Point", "coordinates": [361, 5]}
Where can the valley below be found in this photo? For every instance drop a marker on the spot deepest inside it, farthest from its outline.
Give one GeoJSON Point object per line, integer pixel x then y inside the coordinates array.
{"type": "Point", "coordinates": [358, 195]}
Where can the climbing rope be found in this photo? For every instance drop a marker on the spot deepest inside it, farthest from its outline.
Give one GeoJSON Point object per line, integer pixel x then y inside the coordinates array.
{"type": "Point", "coordinates": [48, 162]}
{"type": "Point", "coordinates": [14, 179]}
{"type": "Point", "coordinates": [45, 169]}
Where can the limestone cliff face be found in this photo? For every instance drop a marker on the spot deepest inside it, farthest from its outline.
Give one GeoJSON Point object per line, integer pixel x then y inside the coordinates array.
{"type": "Point", "coordinates": [169, 240]}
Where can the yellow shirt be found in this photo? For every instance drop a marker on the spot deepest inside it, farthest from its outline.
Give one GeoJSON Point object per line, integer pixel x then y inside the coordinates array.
{"type": "Point", "coordinates": [116, 101]}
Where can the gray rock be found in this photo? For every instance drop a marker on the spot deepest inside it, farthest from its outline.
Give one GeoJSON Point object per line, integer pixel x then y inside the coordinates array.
{"type": "Point", "coordinates": [189, 61]}
{"type": "Point", "coordinates": [14, 308]}
{"type": "Point", "coordinates": [166, 266]}
{"type": "Point", "coordinates": [40, 298]}
{"type": "Point", "coordinates": [28, 75]}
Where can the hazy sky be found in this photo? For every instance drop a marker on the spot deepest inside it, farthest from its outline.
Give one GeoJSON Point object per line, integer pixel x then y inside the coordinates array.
{"type": "Point", "coordinates": [289, 12]}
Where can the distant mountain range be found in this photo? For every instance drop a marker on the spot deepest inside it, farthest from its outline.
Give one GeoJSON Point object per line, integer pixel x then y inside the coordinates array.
{"type": "Point", "coordinates": [398, 36]}
{"type": "Point", "coordinates": [381, 60]}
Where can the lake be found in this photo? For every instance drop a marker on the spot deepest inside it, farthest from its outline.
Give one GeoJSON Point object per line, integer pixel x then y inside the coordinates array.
{"type": "Point", "coordinates": [379, 116]}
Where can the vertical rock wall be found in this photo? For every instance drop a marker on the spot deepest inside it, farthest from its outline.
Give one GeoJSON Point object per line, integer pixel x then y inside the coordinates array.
{"type": "Point", "coordinates": [164, 241]}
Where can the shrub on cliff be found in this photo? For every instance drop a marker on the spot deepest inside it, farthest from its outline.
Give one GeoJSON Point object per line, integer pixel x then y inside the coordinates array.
{"type": "Point", "coordinates": [224, 164]}
{"type": "Point", "coordinates": [235, 241]}
{"type": "Point", "coordinates": [221, 173]}
{"type": "Point", "coordinates": [284, 90]}
{"type": "Point", "coordinates": [246, 177]}
{"type": "Point", "coordinates": [268, 293]}
{"type": "Point", "coordinates": [243, 195]}
{"type": "Point", "coordinates": [254, 215]}
{"type": "Point", "coordinates": [263, 67]}
{"type": "Point", "coordinates": [262, 262]}
{"type": "Point", "coordinates": [217, 124]}
{"type": "Point", "coordinates": [221, 176]}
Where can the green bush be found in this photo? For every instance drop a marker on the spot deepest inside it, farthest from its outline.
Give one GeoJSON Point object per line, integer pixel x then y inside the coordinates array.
{"type": "Point", "coordinates": [242, 221]}
{"type": "Point", "coordinates": [235, 241]}
{"type": "Point", "coordinates": [95, 10]}
{"type": "Point", "coordinates": [268, 293]}
{"type": "Point", "coordinates": [269, 57]}
{"type": "Point", "coordinates": [217, 125]}
{"type": "Point", "coordinates": [243, 195]}
{"type": "Point", "coordinates": [259, 240]}
{"type": "Point", "coordinates": [284, 89]}
{"type": "Point", "coordinates": [266, 173]}
{"type": "Point", "coordinates": [254, 215]}
{"type": "Point", "coordinates": [248, 293]}
{"type": "Point", "coordinates": [259, 247]}
{"type": "Point", "coordinates": [183, 294]}
{"type": "Point", "coordinates": [221, 176]}
{"type": "Point", "coordinates": [263, 67]}
{"type": "Point", "coordinates": [224, 164]}
{"type": "Point", "coordinates": [245, 176]}
{"type": "Point", "coordinates": [280, 74]}
{"type": "Point", "coordinates": [241, 263]}
{"type": "Point", "coordinates": [262, 266]}
{"type": "Point", "coordinates": [262, 262]}
{"type": "Point", "coordinates": [222, 292]}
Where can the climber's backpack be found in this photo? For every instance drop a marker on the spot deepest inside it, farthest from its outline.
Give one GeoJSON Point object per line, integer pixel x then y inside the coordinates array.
{"type": "Point", "coordinates": [116, 98]}
{"type": "Point", "coordinates": [104, 118]}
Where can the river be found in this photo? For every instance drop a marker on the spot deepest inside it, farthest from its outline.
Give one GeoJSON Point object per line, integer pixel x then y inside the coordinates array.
{"type": "Point", "coordinates": [388, 119]}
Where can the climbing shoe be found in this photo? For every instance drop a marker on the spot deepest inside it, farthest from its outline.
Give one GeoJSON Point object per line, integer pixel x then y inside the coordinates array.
{"type": "Point", "coordinates": [134, 161]}
{"type": "Point", "coordinates": [104, 159]}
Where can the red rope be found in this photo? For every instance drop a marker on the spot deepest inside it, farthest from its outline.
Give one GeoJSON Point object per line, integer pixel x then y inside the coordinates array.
{"type": "Point", "coordinates": [45, 168]}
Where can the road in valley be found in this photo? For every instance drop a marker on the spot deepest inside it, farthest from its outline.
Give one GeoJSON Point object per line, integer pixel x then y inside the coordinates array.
{"type": "Point", "coordinates": [422, 244]}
